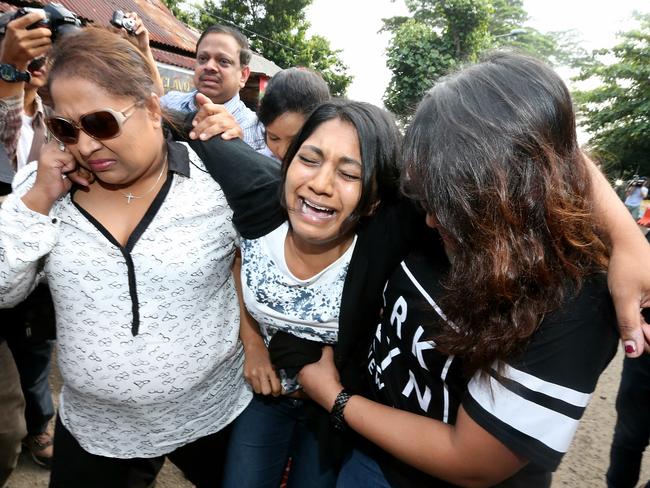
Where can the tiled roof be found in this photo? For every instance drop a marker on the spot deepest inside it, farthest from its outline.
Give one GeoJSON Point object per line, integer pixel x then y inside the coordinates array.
{"type": "Point", "coordinates": [163, 27]}
{"type": "Point", "coordinates": [173, 59]}
{"type": "Point", "coordinates": [166, 32]}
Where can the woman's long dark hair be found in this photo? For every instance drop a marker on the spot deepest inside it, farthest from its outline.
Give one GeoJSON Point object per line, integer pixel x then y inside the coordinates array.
{"type": "Point", "coordinates": [492, 155]}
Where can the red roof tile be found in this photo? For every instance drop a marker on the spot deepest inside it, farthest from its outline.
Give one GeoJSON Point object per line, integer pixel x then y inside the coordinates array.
{"type": "Point", "coordinates": [173, 59]}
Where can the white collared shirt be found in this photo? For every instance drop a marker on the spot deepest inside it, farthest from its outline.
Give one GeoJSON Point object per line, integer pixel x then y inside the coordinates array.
{"type": "Point", "coordinates": [245, 117]}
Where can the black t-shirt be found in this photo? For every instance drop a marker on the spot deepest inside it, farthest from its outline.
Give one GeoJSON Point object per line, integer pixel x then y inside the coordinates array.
{"type": "Point", "coordinates": [533, 407]}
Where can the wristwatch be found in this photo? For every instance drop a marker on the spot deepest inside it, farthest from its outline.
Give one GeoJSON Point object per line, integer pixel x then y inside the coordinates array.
{"type": "Point", "coordinates": [336, 415]}
{"type": "Point", "coordinates": [10, 74]}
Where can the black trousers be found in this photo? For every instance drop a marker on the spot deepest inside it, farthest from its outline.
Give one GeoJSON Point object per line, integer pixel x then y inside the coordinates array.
{"type": "Point", "coordinates": [200, 461]}
{"type": "Point", "coordinates": [632, 431]}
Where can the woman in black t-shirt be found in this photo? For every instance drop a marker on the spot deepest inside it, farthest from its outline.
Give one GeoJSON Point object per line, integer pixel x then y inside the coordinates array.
{"type": "Point", "coordinates": [490, 347]}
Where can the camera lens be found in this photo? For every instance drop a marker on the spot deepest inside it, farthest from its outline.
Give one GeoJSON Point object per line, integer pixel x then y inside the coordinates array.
{"type": "Point", "coordinates": [36, 64]}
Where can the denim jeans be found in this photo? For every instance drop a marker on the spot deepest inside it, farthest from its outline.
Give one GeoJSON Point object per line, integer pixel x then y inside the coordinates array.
{"type": "Point", "coordinates": [33, 363]}
{"type": "Point", "coordinates": [361, 471]}
{"type": "Point", "coordinates": [32, 354]}
{"type": "Point", "coordinates": [268, 433]}
{"type": "Point", "coordinates": [632, 431]}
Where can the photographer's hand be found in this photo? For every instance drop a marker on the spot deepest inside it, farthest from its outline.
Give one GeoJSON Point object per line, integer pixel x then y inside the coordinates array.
{"type": "Point", "coordinates": [142, 37]}
{"type": "Point", "coordinates": [21, 44]}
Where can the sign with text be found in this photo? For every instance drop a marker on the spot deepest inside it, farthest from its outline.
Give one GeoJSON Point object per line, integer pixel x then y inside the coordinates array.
{"type": "Point", "coordinates": [175, 78]}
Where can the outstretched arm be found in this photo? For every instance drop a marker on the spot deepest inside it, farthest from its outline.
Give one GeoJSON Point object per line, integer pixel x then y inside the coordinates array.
{"type": "Point", "coordinates": [250, 181]}
{"type": "Point", "coordinates": [19, 46]}
{"type": "Point", "coordinates": [629, 267]}
{"type": "Point", "coordinates": [213, 119]}
{"type": "Point", "coordinates": [142, 38]}
{"type": "Point", "coordinates": [463, 454]}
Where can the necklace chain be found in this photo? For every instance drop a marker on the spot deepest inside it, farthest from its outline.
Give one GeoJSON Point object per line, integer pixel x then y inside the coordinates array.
{"type": "Point", "coordinates": [130, 196]}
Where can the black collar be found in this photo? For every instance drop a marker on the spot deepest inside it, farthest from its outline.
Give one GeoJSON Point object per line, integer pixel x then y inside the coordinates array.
{"type": "Point", "coordinates": [178, 158]}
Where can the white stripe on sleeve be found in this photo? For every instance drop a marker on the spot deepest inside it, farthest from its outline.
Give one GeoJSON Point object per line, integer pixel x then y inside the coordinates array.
{"type": "Point", "coordinates": [534, 383]}
{"type": "Point", "coordinates": [549, 427]}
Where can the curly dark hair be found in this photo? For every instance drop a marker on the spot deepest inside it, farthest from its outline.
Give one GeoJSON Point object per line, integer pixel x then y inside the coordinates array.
{"type": "Point", "coordinates": [493, 158]}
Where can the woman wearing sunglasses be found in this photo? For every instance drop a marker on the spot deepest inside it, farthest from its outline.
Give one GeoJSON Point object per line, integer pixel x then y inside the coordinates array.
{"type": "Point", "coordinates": [139, 264]}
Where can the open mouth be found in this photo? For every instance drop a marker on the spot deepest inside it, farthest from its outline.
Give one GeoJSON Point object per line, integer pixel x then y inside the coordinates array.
{"type": "Point", "coordinates": [315, 210]}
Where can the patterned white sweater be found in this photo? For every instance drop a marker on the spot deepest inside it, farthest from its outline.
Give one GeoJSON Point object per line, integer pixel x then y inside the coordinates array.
{"type": "Point", "coordinates": [147, 334]}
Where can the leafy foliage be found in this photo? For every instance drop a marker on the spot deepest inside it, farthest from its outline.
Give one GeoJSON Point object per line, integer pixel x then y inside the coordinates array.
{"type": "Point", "coordinates": [441, 34]}
{"type": "Point", "coordinates": [184, 15]}
{"type": "Point", "coordinates": [617, 112]}
{"type": "Point", "coordinates": [277, 29]}
{"type": "Point", "coordinates": [417, 56]}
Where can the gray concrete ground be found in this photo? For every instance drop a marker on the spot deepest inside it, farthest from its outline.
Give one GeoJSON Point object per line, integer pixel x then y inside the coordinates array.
{"type": "Point", "coordinates": [584, 465]}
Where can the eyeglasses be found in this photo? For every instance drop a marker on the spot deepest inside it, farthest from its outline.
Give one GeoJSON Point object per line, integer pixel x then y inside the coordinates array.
{"type": "Point", "coordinates": [102, 124]}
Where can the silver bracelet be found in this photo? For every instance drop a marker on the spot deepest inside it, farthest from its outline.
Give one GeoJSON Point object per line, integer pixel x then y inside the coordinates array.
{"type": "Point", "coordinates": [336, 415]}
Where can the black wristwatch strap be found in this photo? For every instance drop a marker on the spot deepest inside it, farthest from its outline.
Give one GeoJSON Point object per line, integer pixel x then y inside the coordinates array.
{"type": "Point", "coordinates": [10, 74]}
{"type": "Point", "coordinates": [336, 415]}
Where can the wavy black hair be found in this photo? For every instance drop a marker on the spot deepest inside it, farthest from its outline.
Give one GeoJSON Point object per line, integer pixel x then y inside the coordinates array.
{"type": "Point", "coordinates": [492, 155]}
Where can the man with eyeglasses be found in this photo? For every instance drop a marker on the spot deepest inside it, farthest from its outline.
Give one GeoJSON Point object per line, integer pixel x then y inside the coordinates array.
{"type": "Point", "coordinates": [222, 57]}
{"type": "Point", "coordinates": [25, 351]}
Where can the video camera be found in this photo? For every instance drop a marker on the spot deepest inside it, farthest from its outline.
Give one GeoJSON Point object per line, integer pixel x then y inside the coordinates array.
{"type": "Point", "coordinates": [58, 19]}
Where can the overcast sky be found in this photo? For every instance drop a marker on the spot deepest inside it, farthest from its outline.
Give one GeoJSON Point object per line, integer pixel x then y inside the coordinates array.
{"type": "Point", "coordinates": [352, 25]}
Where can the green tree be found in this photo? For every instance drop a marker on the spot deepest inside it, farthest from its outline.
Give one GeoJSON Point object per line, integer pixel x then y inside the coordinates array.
{"type": "Point", "coordinates": [183, 13]}
{"type": "Point", "coordinates": [277, 29]}
{"type": "Point", "coordinates": [427, 45]}
{"type": "Point", "coordinates": [617, 112]}
{"type": "Point", "coordinates": [440, 34]}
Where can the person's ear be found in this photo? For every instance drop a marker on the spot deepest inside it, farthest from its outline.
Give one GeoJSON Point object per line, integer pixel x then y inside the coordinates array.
{"type": "Point", "coordinates": [245, 73]}
{"type": "Point", "coordinates": [154, 110]}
